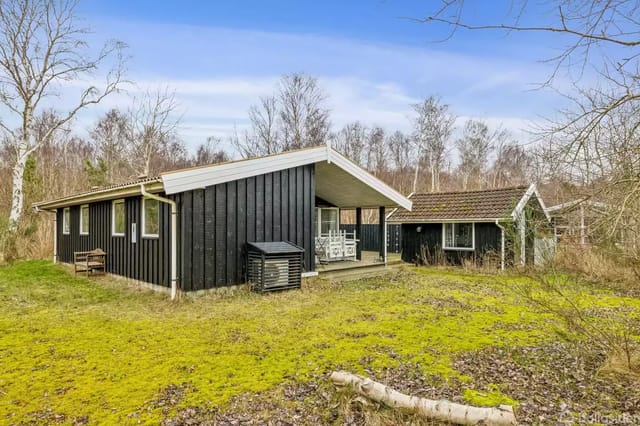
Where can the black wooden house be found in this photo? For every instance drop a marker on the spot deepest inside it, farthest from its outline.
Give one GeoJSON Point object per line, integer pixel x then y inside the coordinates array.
{"type": "Point", "coordinates": [216, 210]}
{"type": "Point", "coordinates": [506, 224]}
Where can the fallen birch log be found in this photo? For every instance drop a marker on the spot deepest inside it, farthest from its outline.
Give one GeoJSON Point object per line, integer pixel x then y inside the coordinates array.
{"type": "Point", "coordinates": [441, 410]}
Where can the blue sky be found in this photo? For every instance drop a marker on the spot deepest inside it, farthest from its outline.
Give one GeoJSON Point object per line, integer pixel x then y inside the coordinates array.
{"type": "Point", "coordinates": [220, 56]}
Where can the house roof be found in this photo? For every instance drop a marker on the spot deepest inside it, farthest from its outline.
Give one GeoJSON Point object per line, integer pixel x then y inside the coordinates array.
{"type": "Point", "coordinates": [338, 180]}
{"type": "Point", "coordinates": [483, 205]}
{"type": "Point", "coordinates": [574, 204]}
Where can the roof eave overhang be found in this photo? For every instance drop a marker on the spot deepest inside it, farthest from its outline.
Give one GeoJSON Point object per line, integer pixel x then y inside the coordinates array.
{"type": "Point", "coordinates": [465, 220]}
{"type": "Point", "coordinates": [199, 178]}
{"type": "Point", "coordinates": [103, 195]}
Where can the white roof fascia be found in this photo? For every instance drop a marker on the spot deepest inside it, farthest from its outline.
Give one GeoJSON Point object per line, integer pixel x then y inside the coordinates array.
{"type": "Point", "coordinates": [532, 190]}
{"type": "Point", "coordinates": [471, 220]}
{"type": "Point", "coordinates": [202, 177]}
{"type": "Point", "coordinates": [362, 175]}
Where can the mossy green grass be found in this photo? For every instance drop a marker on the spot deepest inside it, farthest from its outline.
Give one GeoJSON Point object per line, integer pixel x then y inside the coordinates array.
{"type": "Point", "coordinates": [83, 347]}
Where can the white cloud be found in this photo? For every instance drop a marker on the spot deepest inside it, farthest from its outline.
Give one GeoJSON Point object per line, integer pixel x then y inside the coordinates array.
{"type": "Point", "coordinates": [218, 73]}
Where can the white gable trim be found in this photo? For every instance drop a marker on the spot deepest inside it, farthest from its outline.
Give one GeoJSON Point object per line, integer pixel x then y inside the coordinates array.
{"type": "Point", "coordinates": [519, 210]}
{"type": "Point", "coordinates": [201, 177]}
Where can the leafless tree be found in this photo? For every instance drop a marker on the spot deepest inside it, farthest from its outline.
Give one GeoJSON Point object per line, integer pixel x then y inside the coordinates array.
{"type": "Point", "coordinates": [111, 138]}
{"type": "Point", "coordinates": [294, 117]}
{"type": "Point", "coordinates": [475, 146]}
{"type": "Point", "coordinates": [153, 126]}
{"type": "Point", "coordinates": [432, 130]}
{"type": "Point", "coordinates": [377, 152]}
{"type": "Point", "coordinates": [400, 154]}
{"type": "Point", "coordinates": [351, 141]}
{"type": "Point", "coordinates": [593, 146]}
{"type": "Point", "coordinates": [42, 48]}
{"type": "Point", "coordinates": [210, 153]}
{"type": "Point", "coordinates": [305, 120]}
{"type": "Point", "coordinates": [512, 165]}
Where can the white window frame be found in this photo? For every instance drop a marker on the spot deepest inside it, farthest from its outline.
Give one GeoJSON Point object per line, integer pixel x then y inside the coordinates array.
{"type": "Point", "coordinates": [319, 218]}
{"type": "Point", "coordinates": [144, 225]}
{"type": "Point", "coordinates": [66, 221]}
{"type": "Point", "coordinates": [113, 218]}
{"type": "Point", "coordinates": [82, 222]}
{"type": "Point", "coordinates": [473, 236]}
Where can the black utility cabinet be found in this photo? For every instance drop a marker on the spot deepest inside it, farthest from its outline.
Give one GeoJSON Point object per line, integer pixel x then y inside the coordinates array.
{"type": "Point", "coordinates": [274, 265]}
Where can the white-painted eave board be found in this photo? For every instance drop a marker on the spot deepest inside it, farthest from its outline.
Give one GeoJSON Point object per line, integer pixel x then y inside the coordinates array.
{"type": "Point", "coordinates": [202, 177]}
{"type": "Point", "coordinates": [366, 190]}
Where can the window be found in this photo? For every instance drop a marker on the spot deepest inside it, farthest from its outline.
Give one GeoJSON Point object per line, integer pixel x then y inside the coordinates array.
{"type": "Point", "coordinates": [66, 220]}
{"type": "Point", "coordinates": [84, 219]}
{"type": "Point", "coordinates": [150, 217]}
{"type": "Point", "coordinates": [458, 236]}
{"type": "Point", "coordinates": [328, 221]}
{"type": "Point", "coordinates": [117, 218]}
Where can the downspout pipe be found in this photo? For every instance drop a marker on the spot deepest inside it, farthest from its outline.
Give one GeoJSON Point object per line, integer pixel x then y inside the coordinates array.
{"type": "Point", "coordinates": [502, 230]}
{"type": "Point", "coordinates": [174, 237]}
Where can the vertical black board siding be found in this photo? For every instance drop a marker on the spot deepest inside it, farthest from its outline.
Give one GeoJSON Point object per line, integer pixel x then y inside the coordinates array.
{"type": "Point", "coordinates": [299, 240]}
{"type": "Point", "coordinates": [268, 207]}
{"type": "Point", "coordinates": [292, 211]}
{"type": "Point", "coordinates": [187, 240]}
{"type": "Point", "coordinates": [259, 196]}
{"type": "Point", "coordinates": [279, 206]}
{"type": "Point", "coordinates": [277, 196]}
{"type": "Point", "coordinates": [147, 260]}
{"type": "Point", "coordinates": [307, 231]}
{"type": "Point", "coordinates": [416, 236]}
{"type": "Point", "coordinates": [426, 245]}
{"type": "Point", "coordinates": [197, 261]}
{"type": "Point", "coordinates": [369, 238]}
{"type": "Point", "coordinates": [284, 205]}
{"type": "Point", "coordinates": [251, 209]}
{"type": "Point", "coordinates": [231, 244]}
{"type": "Point", "coordinates": [382, 242]}
{"type": "Point", "coordinates": [241, 229]}
{"type": "Point", "coordinates": [310, 260]}
{"type": "Point", "coordinates": [209, 238]}
{"type": "Point", "coordinates": [221, 234]}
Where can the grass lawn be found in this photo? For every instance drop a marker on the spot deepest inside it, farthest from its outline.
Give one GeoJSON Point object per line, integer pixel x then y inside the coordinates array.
{"type": "Point", "coordinates": [78, 350]}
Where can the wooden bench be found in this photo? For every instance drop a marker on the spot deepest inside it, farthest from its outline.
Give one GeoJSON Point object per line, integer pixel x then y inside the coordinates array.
{"type": "Point", "coordinates": [91, 262]}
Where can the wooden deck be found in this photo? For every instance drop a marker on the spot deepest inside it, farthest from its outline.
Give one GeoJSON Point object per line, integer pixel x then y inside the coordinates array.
{"type": "Point", "coordinates": [370, 264]}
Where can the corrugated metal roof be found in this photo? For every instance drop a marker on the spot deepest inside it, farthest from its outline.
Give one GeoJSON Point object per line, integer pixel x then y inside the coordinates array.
{"type": "Point", "coordinates": [99, 190]}
{"type": "Point", "coordinates": [463, 205]}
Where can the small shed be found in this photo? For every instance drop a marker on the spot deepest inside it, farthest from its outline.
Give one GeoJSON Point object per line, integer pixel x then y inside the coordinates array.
{"type": "Point", "coordinates": [507, 225]}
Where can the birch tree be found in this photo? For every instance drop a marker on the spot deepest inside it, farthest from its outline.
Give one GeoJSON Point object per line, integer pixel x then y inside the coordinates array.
{"type": "Point", "coordinates": [43, 49]}
{"type": "Point", "coordinates": [474, 146]}
{"type": "Point", "coordinates": [111, 138]}
{"type": "Point", "coordinates": [432, 129]}
{"type": "Point", "coordinates": [351, 141]}
{"type": "Point", "coordinates": [153, 127]}
{"type": "Point", "coordinates": [294, 117]}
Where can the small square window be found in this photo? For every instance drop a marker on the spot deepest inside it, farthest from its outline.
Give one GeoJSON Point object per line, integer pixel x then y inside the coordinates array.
{"type": "Point", "coordinates": [84, 219]}
{"type": "Point", "coordinates": [66, 220]}
{"type": "Point", "coordinates": [150, 217]}
{"type": "Point", "coordinates": [118, 222]}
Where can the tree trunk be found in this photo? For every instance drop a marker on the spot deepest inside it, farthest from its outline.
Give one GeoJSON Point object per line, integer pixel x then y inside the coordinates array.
{"type": "Point", "coordinates": [415, 177]}
{"type": "Point", "coordinates": [17, 190]}
{"type": "Point", "coordinates": [440, 410]}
